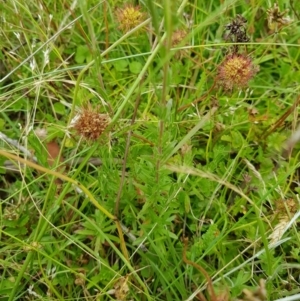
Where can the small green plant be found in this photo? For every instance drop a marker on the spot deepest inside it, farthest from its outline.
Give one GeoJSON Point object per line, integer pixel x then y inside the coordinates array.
{"type": "Point", "coordinates": [198, 144]}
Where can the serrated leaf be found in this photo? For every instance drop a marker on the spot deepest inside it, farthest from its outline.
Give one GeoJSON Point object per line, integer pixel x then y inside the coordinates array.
{"type": "Point", "coordinates": [202, 81]}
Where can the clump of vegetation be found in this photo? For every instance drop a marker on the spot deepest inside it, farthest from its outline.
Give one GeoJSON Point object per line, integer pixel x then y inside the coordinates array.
{"type": "Point", "coordinates": [194, 194]}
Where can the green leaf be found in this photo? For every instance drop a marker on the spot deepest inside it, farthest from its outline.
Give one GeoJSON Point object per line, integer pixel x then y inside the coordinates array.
{"type": "Point", "coordinates": [19, 104]}
{"type": "Point", "coordinates": [2, 169]}
{"type": "Point", "coordinates": [226, 138]}
{"type": "Point", "coordinates": [6, 286]}
{"type": "Point", "coordinates": [40, 150]}
{"type": "Point", "coordinates": [237, 139]}
{"type": "Point", "coordinates": [239, 283]}
{"type": "Point", "coordinates": [59, 108]}
{"type": "Point", "coordinates": [105, 275]}
{"type": "Point", "coordinates": [187, 203]}
{"type": "Point", "coordinates": [23, 220]}
{"type": "Point", "coordinates": [2, 123]}
{"type": "Point", "coordinates": [63, 280]}
{"type": "Point", "coordinates": [203, 80]}
{"type": "Point", "coordinates": [16, 231]}
{"type": "Point", "coordinates": [82, 53]}
{"type": "Point", "coordinates": [295, 252]}
{"type": "Point", "coordinates": [135, 67]}
{"type": "Point", "coordinates": [121, 65]}
{"type": "Point", "coordinates": [210, 236]}
{"type": "Point", "coordinates": [172, 235]}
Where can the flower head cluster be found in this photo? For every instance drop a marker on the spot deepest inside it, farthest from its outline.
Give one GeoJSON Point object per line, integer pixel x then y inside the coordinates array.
{"type": "Point", "coordinates": [89, 123]}
{"type": "Point", "coordinates": [177, 37]}
{"type": "Point", "coordinates": [236, 71]}
{"type": "Point", "coordinates": [129, 17]}
{"type": "Point", "coordinates": [283, 207]}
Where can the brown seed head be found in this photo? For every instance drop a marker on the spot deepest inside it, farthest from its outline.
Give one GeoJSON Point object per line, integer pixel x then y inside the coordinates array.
{"type": "Point", "coordinates": [90, 124]}
{"type": "Point", "coordinates": [276, 18]}
{"type": "Point", "coordinates": [178, 36]}
{"type": "Point", "coordinates": [236, 71]}
{"type": "Point", "coordinates": [283, 205]}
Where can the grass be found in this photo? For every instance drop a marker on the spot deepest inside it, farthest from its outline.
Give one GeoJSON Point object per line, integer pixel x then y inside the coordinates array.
{"type": "Point", "coordinates": [190, 192]}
